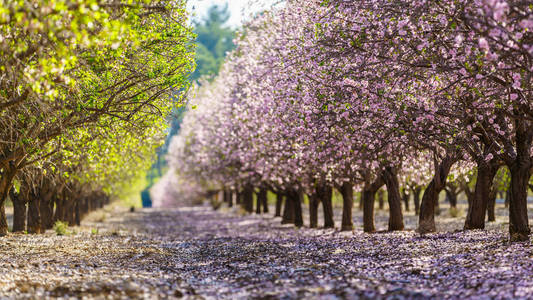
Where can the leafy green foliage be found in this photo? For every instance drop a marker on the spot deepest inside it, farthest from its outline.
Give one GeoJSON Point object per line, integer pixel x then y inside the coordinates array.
{"type": "Point", "coordinates": [214, 40]}
{"type": "Point", "coordinates": [87, 87]}
{"type": "Point", "coordinates": [60, 228]}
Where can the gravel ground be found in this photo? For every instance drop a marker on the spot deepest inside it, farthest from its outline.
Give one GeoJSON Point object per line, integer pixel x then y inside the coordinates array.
{"type": "Point", "coordinates": [197, 253]}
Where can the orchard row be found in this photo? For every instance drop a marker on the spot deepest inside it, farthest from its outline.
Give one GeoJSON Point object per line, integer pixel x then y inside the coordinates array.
{"type": "Point", "coordinates": [85, 86]}
{"type": "Point", "coordinates": [356, 95]}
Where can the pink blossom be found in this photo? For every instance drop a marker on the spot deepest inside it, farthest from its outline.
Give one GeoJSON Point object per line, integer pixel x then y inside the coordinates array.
{"type": "Point", "coordinates": [483, 44]}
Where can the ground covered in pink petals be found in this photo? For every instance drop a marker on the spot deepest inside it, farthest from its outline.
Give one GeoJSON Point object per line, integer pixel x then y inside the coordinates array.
{"type": "Point", "coordinates": [193, 252]}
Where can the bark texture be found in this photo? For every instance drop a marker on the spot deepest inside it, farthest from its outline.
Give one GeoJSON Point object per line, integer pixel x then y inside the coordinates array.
{"type": "Point", "coordinates": [325, 193]}
{"type": "Point", "coordinates": [263, 199]}
{"type": "Point", "coordinates": [248, 198]}
{"type": "Point", "coordinates": [6, 179]}
{"type": "Point", "coordinates": [238, 198]}
{"type": "Point", "coordinates": [279, 203]}
{"type": "Point", "coordinates": [518, 220]}
{"type": "Point", "coordinates": [452, 190]}
{"type": "Point", "coordinates": [34, 215]}
{"type": "Point", "coordinates": [416, 199]}
{"type": "Point", "coordinates": [520, 168]}
{"type": "Point", "coordinates": [297, 199]}
{"type": "Point", "coordinates": [426, 220]}
{"type": "Point", "coordinates": [491, 206]}
{"type": "Point", "coordinates": [475, 218]}
{"type": "Point", "coordinates": [390, 176]}
{"type": "Point", "coordinates": [369, 194]}
{"type": "Point", "coordinates": [47, 208]}
{"type": "Point", "coordinates": [347, 206]}
{"type": "Point", "coordinates": [19, 210]}
{"type": "Point", "coordinates": [381, 199]}
{"type": "Point", "coordinates": [258, 203]}
{"type": "Point", "coordinates": [405, 198]}
{"type": "Point", "coordinates": [230, 198]}
{"type": "Point", "coordinates": [313, 210]}
{"type": "Point", "coordinates": [288, 210]}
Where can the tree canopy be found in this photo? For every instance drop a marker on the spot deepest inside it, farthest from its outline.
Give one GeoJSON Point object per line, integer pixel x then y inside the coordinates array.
{"type": "Point", "coordinates": [214, 39]}
{"type": "Point", "coordinates": [86, 88]}
{"type": "Point", "coordinates": [354, 95]}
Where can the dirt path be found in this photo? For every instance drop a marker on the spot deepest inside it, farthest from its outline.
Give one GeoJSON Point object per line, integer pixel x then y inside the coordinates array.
{"type": "Point", "coordinates": [198, 253]}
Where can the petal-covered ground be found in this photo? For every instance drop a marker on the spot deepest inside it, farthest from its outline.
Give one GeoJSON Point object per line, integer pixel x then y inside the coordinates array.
{"type": "Point", "coordinates": [199, 253]}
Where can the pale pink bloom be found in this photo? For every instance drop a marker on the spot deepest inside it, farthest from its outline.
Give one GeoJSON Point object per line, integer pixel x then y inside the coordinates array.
{"type": "Point", "coordinates": [483, 44]}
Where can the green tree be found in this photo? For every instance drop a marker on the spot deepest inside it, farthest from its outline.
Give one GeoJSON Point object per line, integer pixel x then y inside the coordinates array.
{"type": "Point", "coordinates": [214, 39]}
{"type": "Point", "coordinates": [74, 67]}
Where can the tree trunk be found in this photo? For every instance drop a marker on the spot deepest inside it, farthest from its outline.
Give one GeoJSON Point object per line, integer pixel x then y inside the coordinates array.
{"type": "Point", "coordinates": [451, 197]}
{"type": "Point", "coordinates": [507, 196]}
{"type": "Point", "coordinates": [19, 211]}
{"type": "Point", "coordinates": [469, 195]}
{"type": "Point", "coordinates": [368, 210]}
{"type": "Point", "coordinates": [97, 201]}
{"type": "Point", "coordinates": [3, 220]}
{"type": "Point", "coordinates": [262, 200]}
{"type": "Point", "coordinates": [381, 199]}
{"type": "Point", "coordinates": [518, 219]}
{"type": "Point", "coordinates": [416, 199]}
{"type": "Point", "coordinates": [520, 169]}
{"type": "Point", "coordinates": [34, 216]}
{"type": "Point", "coordinates": [104, 200]}
{"type": "Point", "coordinates": [83, 207]}
{"type": "Point", "coordinates": [405, 198]}
{"type": "Point", "coordinates": [296, 198]}
{"type": "Point", "coordinates": [313, 210]}
{"type": "Point", "coordinates": [46, 209]}
{"type": "Point", "coordinates": [65, 207]}
{"type": "Point", "coordinates": [437, 205]}
{"type": "Point", "coordinates": [288, 210]}
{"type": "Point", "coordinates": [325, 193]}
{"type": "Point", "coordinates": [347, 206]}
{"type": "Point", "coordinates": [426, 220]}
{"type": "Point", "coordinates": [279, 203]}
{"type": "Point", "coordinates": [69, 211]}
{"type": "Point", "coordinates": [225, 196]}
{"type": "Point", "coordinates": [257, 203]}
{"type": "Point", "coordinates": [69, 205]}
{"type": "Point", "coordinates": [491, 206]}
{"type": "Point", "coordinates": [475, 218]}
{"type": "Point", "coordinates": [265, 201]}
{"type": "Point", "coordinates": [361, 202]}
{"type": "Point", "coordinates": [238, 198]}
{"type": "Point", "coordinates": [390, 176]}
{"type": "Point", "coordinates": [77, 213]}
{"type": "Point", "coordinates": [248, 198]}
{"type": "Point", "coordinates": [368, 197]}
{"type": "Point", "coordinates": [59, 202]}
{"type": "Point", "coordinates": [6, 180]}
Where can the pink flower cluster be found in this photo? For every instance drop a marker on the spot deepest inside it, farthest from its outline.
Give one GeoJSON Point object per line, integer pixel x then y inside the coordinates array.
{"type": "Point", "coordinates": [336, 91]}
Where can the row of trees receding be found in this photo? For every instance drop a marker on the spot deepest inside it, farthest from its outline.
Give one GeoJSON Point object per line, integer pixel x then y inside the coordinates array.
{"type": "Point", "coordinates": [357, 95]}
{"type": "Point", "coordinates": [84, 90]}
{"type": "Point", "coordinates": [286, 202]}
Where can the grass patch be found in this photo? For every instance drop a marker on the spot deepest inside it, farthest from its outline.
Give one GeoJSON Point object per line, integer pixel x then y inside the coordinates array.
{"type": "Point", "coordinates": [60, 228]}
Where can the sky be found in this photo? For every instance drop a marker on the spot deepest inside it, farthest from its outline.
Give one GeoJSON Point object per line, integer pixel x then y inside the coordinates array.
{"type": "Point", "coordinates": [240, 9]}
